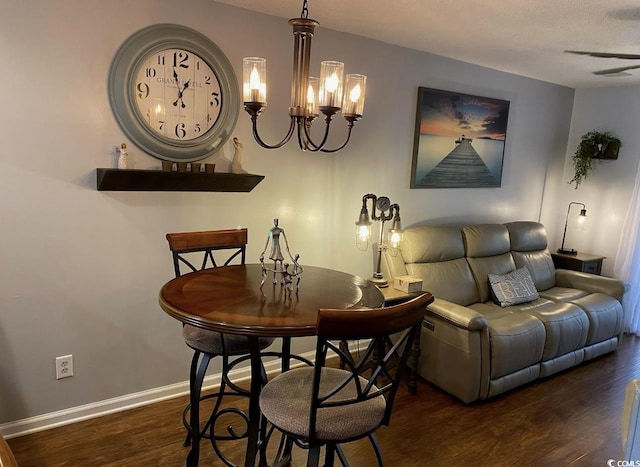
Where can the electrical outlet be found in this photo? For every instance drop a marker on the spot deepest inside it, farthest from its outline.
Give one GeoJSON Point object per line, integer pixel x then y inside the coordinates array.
{"type": "Point", "coordinates": [64, 366]}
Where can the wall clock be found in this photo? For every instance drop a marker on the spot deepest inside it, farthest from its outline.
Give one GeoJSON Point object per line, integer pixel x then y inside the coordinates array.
{"type": "Point", "coordinates": [174, 93]}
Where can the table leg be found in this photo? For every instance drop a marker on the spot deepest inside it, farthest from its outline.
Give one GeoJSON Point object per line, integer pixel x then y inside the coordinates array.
{"type": "Point", "coordinates": [285, 458]}
{"type": "Point", "coordinates": [195, 390]}
{"type": "Point", "coordinates": [253, 430]}
{"type": "Point", "coordinates": [412, 363]}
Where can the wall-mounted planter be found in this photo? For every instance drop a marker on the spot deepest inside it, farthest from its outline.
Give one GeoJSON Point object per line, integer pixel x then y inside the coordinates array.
{"type": "Point", "coordinates": [159, 180]}
{"type": "Point", "coordinates": [610, 151]}
{"type": "Point", "coordinates": [593, 145]}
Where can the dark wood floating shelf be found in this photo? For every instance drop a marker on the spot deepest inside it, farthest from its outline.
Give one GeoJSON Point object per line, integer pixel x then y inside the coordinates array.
{"type": "Point", "coordinates": [158, 180]}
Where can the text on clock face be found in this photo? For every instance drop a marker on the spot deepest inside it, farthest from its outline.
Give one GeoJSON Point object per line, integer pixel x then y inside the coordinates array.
{"type": "Point", "coordinates": [177, 94]}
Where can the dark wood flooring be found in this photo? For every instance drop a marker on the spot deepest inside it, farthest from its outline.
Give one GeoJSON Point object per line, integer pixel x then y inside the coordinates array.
{"type": "Point", "coordinates": [570, 419]}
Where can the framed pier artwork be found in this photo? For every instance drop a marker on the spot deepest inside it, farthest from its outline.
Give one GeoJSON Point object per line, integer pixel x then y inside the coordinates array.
{"type": "Point", "coordinates": [459, 140]}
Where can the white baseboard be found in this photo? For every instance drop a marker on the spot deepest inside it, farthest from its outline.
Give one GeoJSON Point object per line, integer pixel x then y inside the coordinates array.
{"type": "Point", "coordinates": [118, 404]}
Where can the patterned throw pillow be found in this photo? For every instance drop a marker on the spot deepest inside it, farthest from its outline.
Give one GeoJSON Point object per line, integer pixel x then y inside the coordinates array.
{"type": "Point", "coordinates": [513, 288]}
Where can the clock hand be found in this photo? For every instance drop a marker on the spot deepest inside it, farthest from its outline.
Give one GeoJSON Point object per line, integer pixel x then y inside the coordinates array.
{"type": "Point", "coordinates": [179, 99]}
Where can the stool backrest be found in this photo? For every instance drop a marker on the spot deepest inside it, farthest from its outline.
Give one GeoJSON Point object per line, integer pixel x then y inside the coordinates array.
{"type": "Point", "coordinates": [193, 251]}
{"type": "Point", "coordinates": [377, 369]}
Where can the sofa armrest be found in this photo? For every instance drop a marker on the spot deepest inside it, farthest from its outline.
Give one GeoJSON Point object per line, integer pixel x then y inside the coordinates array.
{"type": "Point", "coordinates": [460, 316]}
{"type": "Point", "coordinates": [590, 283]}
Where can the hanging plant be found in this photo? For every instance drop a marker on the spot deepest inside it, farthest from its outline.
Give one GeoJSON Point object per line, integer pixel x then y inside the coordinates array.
{"type": "Point", "coordinates": [593, 145]}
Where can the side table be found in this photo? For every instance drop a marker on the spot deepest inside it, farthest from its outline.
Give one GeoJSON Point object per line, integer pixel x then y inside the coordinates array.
{"type": "Point", "coordinates": [394, 296]}
{"type": "Point", "coordinates": [583, 262]}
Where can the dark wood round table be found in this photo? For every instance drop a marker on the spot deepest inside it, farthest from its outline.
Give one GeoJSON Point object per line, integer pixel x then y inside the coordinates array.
{"type": "Point", "coordinates": [229, 299]}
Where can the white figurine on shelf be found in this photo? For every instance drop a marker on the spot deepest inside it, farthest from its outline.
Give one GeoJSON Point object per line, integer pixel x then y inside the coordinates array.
{"type": "Point", "coordinates": [236, 163]}
{"type": "Point", "coordinates": [122, 158]}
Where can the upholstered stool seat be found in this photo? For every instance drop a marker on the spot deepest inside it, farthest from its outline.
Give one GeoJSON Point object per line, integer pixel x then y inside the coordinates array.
{"type": "Point", "coordinates": [212, 341]}
{"type": "Point", "coordinates": [291, 413]}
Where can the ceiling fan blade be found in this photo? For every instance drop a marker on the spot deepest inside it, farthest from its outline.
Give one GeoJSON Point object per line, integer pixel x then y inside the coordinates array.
{"type": "Point", "coordinates": [613, 71]}
{"type": "Point", "coordinates": [605, 54]}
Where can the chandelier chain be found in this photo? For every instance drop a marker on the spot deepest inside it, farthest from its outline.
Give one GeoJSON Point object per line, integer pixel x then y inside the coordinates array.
{"type": "Point", "coordinates": [305, 10]}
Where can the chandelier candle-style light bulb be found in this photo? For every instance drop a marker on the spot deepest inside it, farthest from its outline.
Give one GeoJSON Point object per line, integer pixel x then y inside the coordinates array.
{"type": "Point", "coordinates": [312, 101]}
{"type": "Point", "coordinates": [254, 87]}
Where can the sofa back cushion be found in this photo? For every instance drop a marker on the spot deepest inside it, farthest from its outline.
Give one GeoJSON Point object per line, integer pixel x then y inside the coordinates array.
{"type": "Point", "coordinates": [435, 254]}
{"type": "Point", "coordinates": [487, 249]}
{"type": "Point", "coordinates": [432, 244]}
{"type": "Point", "coordinates": [529, 248]}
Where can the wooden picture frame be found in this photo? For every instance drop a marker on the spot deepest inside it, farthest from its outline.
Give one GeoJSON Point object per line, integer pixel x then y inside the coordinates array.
{"type": "Point", "coordinates": [459, 140]}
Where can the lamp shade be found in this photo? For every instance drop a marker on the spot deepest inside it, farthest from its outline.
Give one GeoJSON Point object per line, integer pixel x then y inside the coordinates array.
{"type": "Point", "coordinates": [331, 75]}
{"type": "Point", "coordinates": [254, 82]}
{"type": "Point", "coordinates": [355, 89]}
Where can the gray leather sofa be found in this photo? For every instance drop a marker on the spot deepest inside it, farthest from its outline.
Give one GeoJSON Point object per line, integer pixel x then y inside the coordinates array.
{"type": "Point", "coordinates": [474, 348]}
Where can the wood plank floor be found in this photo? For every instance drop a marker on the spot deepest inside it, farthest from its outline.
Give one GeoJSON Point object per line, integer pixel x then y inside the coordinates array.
{"type": "Point", "coordinates": [570, 419]}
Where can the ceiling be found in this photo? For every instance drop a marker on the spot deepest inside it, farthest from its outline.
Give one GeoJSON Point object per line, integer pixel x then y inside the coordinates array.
{"type": "Point", "coordinates": [524, 37]}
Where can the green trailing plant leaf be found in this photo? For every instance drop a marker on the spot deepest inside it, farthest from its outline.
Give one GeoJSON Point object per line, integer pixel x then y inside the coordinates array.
{"type": "Point", "coordinates": [593, 145]}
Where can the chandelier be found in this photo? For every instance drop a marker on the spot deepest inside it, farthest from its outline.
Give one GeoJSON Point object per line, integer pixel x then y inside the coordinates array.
{"type": "Point", "coordinates": [310, 96]}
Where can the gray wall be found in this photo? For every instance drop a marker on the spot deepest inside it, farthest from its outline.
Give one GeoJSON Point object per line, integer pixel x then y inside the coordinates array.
{"type": "Point", "coordinates": [81, 269]}
{"type": "Point", "coordinates": [607, 190]}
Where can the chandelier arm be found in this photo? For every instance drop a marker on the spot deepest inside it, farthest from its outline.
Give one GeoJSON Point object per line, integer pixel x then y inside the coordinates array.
{"type": "Point", "coordinates": [302, 141]}
{"type": "Point", "coordinates": [285, 140]}
{"type": "Point", "coordinates": [311, 146]}
{"type": "Point", "coordinates": [330, 151]}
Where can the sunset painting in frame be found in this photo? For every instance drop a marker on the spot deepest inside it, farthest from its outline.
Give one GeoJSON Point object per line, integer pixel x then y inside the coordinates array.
{"type": "Point", "coordinates": [459, 140]}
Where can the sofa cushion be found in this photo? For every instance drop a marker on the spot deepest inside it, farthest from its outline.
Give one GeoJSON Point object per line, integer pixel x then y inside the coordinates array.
{"type": "Point", "coordinates": [487, 249]}
{"type": "Point", "coordinates": [529, 248]}
{"type": "Point", "coordinates": [432, 244]}
{"type": "Point", "coordinates": [482, 267]}
{"type": "Point", "coordinates": [513, 288]}
{"type": "Point", "coordinates": [517, 341]}
{"type": "Point", "coordinates": [490, 309]}
{"type": "Point", "coordinates": [485, 240]}
{"type": "Point", "coordinates": [566, 328]}
{"type": "Point", "coordinates": [562, 294]}
{"type": "Point", "coordinates": [605, 316]}
{"type": "Point", "coordinates": [527, 236]}
{"type": "Point", "coordinates": [540, 266]}
{"type": "Point", "coordinates": [447, 280]}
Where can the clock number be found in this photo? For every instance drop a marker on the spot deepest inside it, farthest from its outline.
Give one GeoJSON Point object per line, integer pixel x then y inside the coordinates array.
{"type": "Point", "coordinates": [197, 128]}
{"type": "Point", "coordinates": [180, 130]}
{"type": "Point", "coordinates": [150, 72]}
{"type": "Point", "coordinates": [143, 90]}
{"type": "Point", "coordinates": [207, 80]}
{"type": "Point", "coordinates": [215, 98]}
{"type": "Point", "coordinates": [160, 59]}
{"type": "Point", "coordinates": [179, 59]}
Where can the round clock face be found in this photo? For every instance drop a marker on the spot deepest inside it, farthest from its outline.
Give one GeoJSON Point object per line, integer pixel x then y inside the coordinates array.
{"type": "Point", "coordinates": [174, 93]}
{"type": "Point", "coordinates": [177, 94]}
